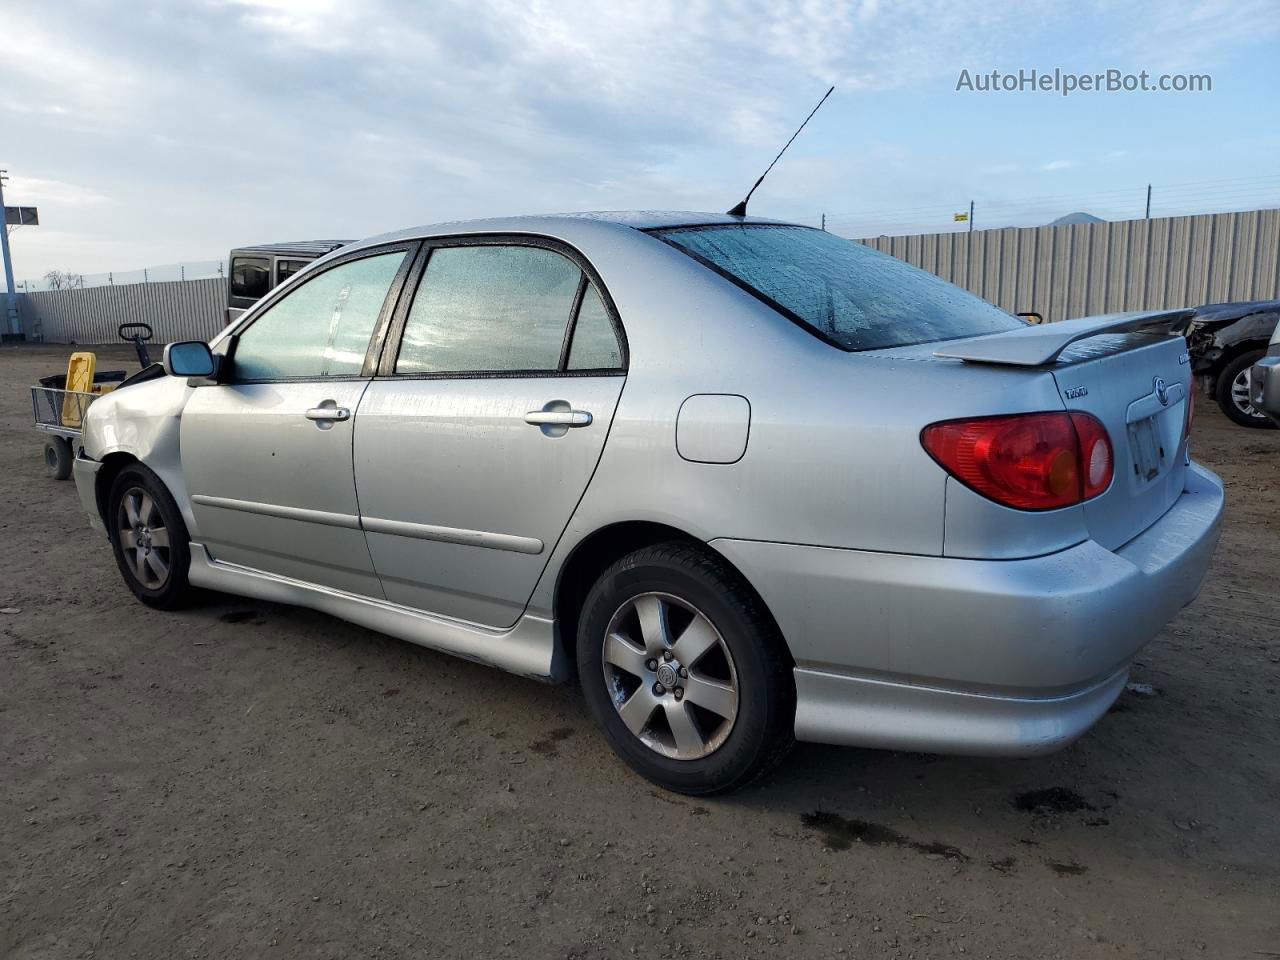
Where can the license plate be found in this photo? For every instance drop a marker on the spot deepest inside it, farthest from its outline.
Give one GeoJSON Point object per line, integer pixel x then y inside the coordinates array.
{"type": "Point", "coordinates": [1144, 444]}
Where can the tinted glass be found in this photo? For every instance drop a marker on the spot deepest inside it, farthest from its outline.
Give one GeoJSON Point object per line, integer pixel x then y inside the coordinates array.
{"type": "Point", "coordinates": [595, 345]}
{"type": "Point", "coordinates": [489, 308]}
{"type": "Point", "coordinates": [250, 277]}
{"type": "Point", "coordinates": [857, 297]}
{"type": "Point", "coordinates": [287, 268]}
{"type": "Point", "coordinates": [321, 329]}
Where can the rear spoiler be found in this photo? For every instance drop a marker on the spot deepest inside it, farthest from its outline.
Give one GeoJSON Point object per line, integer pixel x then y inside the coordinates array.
{"type": "Point", "coordinates": [1041, 344]}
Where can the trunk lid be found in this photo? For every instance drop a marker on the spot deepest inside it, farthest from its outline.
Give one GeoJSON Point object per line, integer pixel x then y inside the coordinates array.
{"type": "Point", "coordinates": [1139, 386]}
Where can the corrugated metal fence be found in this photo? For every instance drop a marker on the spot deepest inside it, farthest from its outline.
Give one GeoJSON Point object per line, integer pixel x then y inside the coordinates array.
{"type": "Point", "coordinates": [190, 310]}
{"type": "Point", "coordinates": [1060, 272]}
{"type": "Point", "coordinates": [1090, 268]}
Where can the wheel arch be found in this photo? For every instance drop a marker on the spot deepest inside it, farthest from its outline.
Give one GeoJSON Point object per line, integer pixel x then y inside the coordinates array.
{"type": "Point", "coordinates": [601, 548]}
{"type": "Point", "coordinates": [1229, 353]}
{"type": "Point", "coordinates": [112, 464]}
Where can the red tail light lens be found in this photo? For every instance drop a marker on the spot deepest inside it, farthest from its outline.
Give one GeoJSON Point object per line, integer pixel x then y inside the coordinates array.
{"type": "Point", "coordinates": [1096, 462]}
{"type": "Point", "coordinates": [1031, 461]}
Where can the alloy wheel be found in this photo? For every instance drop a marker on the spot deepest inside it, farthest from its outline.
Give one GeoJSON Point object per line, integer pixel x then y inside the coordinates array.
{"type": "Point", "coordinates": [144, 539]}
{"type": "Point", "coordinates": [1240, 393]}
{"type": "Point", "coordinates": [670, 676]}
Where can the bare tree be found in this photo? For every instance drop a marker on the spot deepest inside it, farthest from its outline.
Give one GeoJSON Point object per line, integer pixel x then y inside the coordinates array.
{"type": "Point", "coordinates": [64, 280]}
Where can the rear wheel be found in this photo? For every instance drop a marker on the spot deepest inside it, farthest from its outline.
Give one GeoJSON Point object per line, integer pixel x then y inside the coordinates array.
{"type": "Point", "coordinates": [684, 671]}
{"type": "Point", "coordinates": [57, 458]}
{"type": "Point", "coordinates": [149, 538]}
{"type": "Point", "coordinates": [1232, 392]}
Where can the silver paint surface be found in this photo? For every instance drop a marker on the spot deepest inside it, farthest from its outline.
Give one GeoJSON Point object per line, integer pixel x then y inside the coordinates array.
{"type": "Point", "coordinates": [979, 628]}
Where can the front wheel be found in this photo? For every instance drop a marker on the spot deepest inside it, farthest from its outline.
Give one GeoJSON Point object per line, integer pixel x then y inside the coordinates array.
{"type": "Point", "coordinates": [684, 670]}
{"type": "Point", "coordinates": [1232, 392]}
{"type": "Point", "coordinates": [149, 538]}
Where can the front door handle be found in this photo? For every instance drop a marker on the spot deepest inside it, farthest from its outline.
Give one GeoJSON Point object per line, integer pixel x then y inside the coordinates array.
{"type": "Point", "coordinates": [327, 414]}
{"type": "Point", "coordinates": [558, 418]}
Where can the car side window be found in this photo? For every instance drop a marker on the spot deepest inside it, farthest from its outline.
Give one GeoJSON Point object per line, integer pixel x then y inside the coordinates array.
{"type": "Point", "coordinates": [489, 308]}
{"type": "Point", "coordinates": [595, 342]}
{"type": "Point", "coordinates": [287, 268]}
{"type": "Point", "coordinates": [322, 328]}
{"type": "Point", "coordinates": [250, 277]}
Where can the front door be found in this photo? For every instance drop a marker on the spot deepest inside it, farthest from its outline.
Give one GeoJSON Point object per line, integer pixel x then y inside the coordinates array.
{"type": "Point", "coordinates": [267, 455]}
{"type": "Point", "coordinates": [474, 450]}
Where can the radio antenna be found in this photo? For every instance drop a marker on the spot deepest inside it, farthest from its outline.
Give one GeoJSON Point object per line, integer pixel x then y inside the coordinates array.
{"type": "Point", "coordinates": [741, 209]}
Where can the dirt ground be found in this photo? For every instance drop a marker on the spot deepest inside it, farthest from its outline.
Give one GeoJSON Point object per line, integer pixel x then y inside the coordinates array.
{"type": "Point", "coordinates": [248, 780]}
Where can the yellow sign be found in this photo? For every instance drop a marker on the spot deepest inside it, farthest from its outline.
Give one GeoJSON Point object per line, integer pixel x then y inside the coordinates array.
{"type": "Point", "coordinates": [961, 217]}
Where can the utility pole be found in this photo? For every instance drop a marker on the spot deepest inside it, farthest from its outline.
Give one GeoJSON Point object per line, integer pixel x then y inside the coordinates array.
{"type": "Point", "coordinates": [12, 323]}
{"type": "Point", "coordinates": [824, 221]}
{"type": "Point", "coordinates": [1148, 217]}
{"type": "Point", "coordinates": [971, 216]}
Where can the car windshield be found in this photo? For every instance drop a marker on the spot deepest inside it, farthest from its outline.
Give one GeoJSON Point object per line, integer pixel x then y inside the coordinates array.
{"type": "Point", "coordinates": [848, 294]}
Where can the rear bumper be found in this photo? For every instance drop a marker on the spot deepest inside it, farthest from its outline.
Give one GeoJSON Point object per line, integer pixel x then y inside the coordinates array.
{"type": "Point", "coordinates": [1264, 384]}
{"type": "Point", "coordinates": [85, 473]}
{"type": "Point", "coordinates": [832, 708]}
{"type": "Point", "coordinates": [971, 656]}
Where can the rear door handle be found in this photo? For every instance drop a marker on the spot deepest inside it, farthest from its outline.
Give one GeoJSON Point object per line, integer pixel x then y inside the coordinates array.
{"type": "Point", "coordinates": [558, 418]}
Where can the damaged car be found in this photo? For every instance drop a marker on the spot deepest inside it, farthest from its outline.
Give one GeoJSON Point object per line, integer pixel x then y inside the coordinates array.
{"type": "Point", "coordinates": [1225, 340]}
{"type": "Point", "coordinates": [747, 481]}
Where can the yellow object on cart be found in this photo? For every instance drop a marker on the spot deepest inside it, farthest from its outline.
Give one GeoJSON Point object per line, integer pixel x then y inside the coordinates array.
{"type": "Point", "coordinates": [80, 380]}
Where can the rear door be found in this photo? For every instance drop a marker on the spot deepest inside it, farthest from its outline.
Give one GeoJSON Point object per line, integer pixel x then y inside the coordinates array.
{"type": "Point", "coordinates": [267, 454]}
{"type": "Point", "coordinates": [476, 442]}
{"type": "Point", "coordinates": [1139, 386]}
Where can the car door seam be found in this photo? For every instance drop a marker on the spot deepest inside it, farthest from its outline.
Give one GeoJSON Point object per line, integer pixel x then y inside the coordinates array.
{"type": "Point", "coordinates": [355, 486]}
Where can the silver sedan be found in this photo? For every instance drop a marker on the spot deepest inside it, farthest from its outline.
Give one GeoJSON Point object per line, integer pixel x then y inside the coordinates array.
{"type": "Point", "coordinates": [749, 481]}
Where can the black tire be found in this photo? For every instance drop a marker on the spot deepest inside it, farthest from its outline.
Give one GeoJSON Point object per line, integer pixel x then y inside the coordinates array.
{"type": "Point", "coordinates": [1222, 392]}
{"type": "Point", "coordinates": [757, 658]}
{"type": "Point", "coordinates": [57, 458]}
{"type": "Point", "coordinates": [150, 501]}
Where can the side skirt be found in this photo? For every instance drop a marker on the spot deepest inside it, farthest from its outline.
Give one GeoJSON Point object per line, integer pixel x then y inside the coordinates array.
{"type": "Point", "coordinates": [528, 649]}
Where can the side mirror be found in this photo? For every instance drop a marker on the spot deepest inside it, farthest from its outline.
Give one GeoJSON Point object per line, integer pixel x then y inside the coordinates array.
{"type": "Point", "coordinates": [188, 358]}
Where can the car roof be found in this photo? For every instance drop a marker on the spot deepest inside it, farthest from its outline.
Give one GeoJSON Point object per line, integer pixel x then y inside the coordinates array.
{"type": "Point", "coordinates": [561, 224]}
{"type": "Point", "coordinates": [310, 248]}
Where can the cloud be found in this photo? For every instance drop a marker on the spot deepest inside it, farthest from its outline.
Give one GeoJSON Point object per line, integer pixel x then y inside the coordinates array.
{"type": "Point", "coordinates": [31, 191]}
{"type": "Point", "coordinates": [1057, 165]}
{"type": "Point", "coordinates": [1191, 34]}
{"type": "Point", "coordinates": [216, 122]}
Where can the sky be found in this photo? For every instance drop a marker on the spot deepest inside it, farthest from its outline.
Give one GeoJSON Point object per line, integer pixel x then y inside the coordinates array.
{"type": "Point", "coordinates": [161, 132]}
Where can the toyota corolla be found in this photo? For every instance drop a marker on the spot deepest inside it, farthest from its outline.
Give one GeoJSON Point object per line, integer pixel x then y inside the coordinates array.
{"type": "Point", "coordinates": [750, 482]}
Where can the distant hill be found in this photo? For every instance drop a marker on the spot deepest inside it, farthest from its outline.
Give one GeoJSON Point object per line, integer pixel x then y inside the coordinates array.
{"type": "Point", "coordinates": [1076, 217]}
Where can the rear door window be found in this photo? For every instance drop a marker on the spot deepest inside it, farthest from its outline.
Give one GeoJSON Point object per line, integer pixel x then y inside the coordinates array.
{"type": "Point", "coordinates": [489, 309]}
{"type": "Point", "coordinates": [595, 343]}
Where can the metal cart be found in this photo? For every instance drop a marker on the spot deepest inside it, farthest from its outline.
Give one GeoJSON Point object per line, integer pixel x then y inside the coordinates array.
{"type": "Point", "coordinates": [59, 412]}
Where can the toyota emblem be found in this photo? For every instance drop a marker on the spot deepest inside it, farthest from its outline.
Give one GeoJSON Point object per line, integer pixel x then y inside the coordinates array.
{"type": "Point", "coordinates": [1162, 392]}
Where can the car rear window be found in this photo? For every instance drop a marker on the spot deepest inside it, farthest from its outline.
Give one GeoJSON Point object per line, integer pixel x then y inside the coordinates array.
{"type": "Point", "coordinates": [850, 295]}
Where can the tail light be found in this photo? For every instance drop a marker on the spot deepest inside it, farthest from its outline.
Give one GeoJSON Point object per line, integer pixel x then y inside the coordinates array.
{"type": "Point", "coordinates": [1030, 461]}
